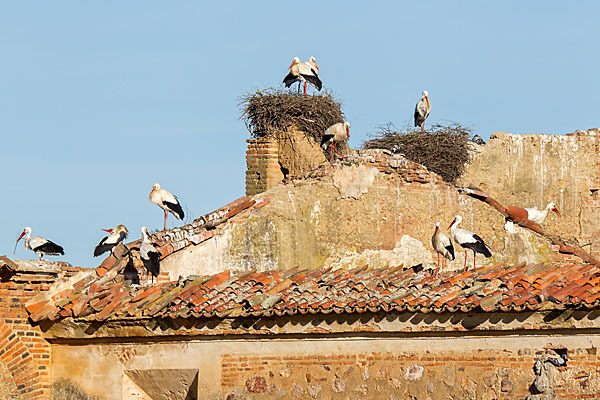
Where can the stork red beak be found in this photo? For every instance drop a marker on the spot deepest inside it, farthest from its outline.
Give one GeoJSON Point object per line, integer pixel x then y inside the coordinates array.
{"type": "Point", "coordinates": [21, 237]}
{"type": "Point", "coordinates": [556, 211]}
{"type": "Point", "coordinates": [452, 223]}
{"type": "Point", "coordinates": [108, 230]}
{"type": "Point", "coordinates": [291, 65]}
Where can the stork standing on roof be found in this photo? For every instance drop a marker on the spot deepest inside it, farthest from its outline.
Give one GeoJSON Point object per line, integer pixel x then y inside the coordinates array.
{"type": "Point", "coordinates": [336, 133]}
{"type": "Point", "coordinates": [116, 236]}
{"type": "Point", "coordinates": [539, 216]}
{"type": "Point", "coordinates": [442, 245]}
{"type": "Point", "coordinates": [303, 72]}
{"type": "Point", "coordinates": [167, 201]}
{"type": "Point", "coordinates": [41, 246]}
{"type": "Point", "coordinates": [468, 240]}
{"type": "Point", "coordinates": [422, 110]}
{"type": "Point", "coordinates": [149, 254]}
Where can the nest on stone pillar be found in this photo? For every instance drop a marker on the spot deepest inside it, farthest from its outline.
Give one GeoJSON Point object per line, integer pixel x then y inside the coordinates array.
{"type": "Point", "coordinates": [443, 149]}
{"type": "Point", "coordinates": [270, 111]}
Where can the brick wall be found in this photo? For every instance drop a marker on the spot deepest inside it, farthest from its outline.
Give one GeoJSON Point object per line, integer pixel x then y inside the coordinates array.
{"type": "Point", "coordinates": [24, 353]}
{"type": "Point", "coordinates": [479, 374]}
{"type": "Point", "coordinates": [262, 166]}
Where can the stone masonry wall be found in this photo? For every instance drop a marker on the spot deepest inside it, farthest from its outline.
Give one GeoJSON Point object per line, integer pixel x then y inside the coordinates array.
{"type": "Point", "coordinates": [443, 367]}
{"type": "Point", "coordinates": [465, 375]}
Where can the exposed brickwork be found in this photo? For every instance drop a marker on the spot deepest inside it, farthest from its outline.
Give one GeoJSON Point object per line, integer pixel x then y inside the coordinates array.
{"type": "Point", "coordinates": [263, 170]}
{"type": "Point", "coordinates": [385, 162]}
{"type": "Point", "coordinates": [478, 374]}
{"type": "Point", "coordinates": [23, 351]}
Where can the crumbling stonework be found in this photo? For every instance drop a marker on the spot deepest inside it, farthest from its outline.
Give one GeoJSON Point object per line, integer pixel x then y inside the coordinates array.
{"type": "Point", "coordinates": [360, 210]}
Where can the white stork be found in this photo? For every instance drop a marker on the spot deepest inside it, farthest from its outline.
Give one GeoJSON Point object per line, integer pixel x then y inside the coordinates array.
{"type": "Point", "coordinates": [442, 245]}
{"type": "Point", "coordinates": [167, 202]}
{"type": "Point", "coordinates": [149, 254]}
{"type": "Point", "coordinates": [303, 72]}
{"type": "Point", "coordinates": [117, 235]}
{"type": "Point", "coordinates": [468, 240]}
{"type": "Point", "coordinates": [40, 245]}
{"type": "Point", "coordinates": [422, 110]}
{"type": "Point", "coordinates": [339, 133]}
{"type": "Point", "coordinates": [539, 216]}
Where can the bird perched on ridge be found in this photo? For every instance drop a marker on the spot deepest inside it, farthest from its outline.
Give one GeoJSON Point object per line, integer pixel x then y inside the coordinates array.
{"type": "Point", "coordinates": [422, 110]}
{"type": "Point", "coordinates": [39, 245]}
{"type": "Point", "coordinates": [336, 133]}
{"type": "Point", "coordinates": [303, 72]}
{"type": "Point", "coordinates": [149, 254]}
{"type": "Point", "coordinates": [468, 240]}
{"type": "Point", "coordinates": [167, 201]}
{"type": "Point", "coordinates": [442, 245]}
{"type": "Point", "coordinates": [116, 236]}
{"type": "Point", "coordinates": [539, 216]}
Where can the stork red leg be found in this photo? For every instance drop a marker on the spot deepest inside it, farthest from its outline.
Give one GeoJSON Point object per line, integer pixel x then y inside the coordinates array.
{"type": "Point", "coordinates": [331, 154]}
{"type": "Point", "coordinates": [304, 87]}
{"type": "Point", "coordinates": [465, 259]}
{"type": "Point", "coordinates": [166, 215]}
{"type": "Point", "coordinates": [474, 254]}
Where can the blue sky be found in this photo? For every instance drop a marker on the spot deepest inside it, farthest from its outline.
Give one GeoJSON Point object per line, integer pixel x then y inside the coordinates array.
{"type": "Point", "coordinates": [99, 100]}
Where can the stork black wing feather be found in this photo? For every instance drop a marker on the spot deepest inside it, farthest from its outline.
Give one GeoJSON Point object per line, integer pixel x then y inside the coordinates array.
{"type": "Point", "coordinates": [290, 79]}
{"type": "Point", "coordinates": [175, 209]}
{"type": "Point", "coordinates": [314, 80]}
{"type": "Point", "coordinates": [50, 248]}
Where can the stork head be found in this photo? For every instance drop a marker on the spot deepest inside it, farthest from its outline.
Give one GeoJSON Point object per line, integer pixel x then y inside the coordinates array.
{"type": "Point", "coordinates": [552, 206]}
{"type": "Point", "coordinates": [295, 61]}
{"type": "Point", "coordinates": [144, 232]}
{"type": "Point", "coordinates": [437, 226]}
{"type": "Point", "coordinates": [26, 231]}
{"type": "Point", "coordinates": [347, 128]}
{"type": "Point", "coordinates": [156, 186]}
{"type": "Point", "coordinates": [313, 60]}
{"type": "Point", "coordinates": [425, 93]}
{"type": "Point", "coordinates": [457, 220]}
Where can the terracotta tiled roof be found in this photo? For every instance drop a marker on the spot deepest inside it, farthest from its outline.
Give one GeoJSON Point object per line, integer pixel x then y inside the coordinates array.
{"type": "Point", "coordinates": [497, 288]}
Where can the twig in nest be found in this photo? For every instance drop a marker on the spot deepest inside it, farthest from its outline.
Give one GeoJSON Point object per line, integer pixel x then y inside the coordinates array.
{"type": "Point", "coordinates": [270, 111]}
{"type": "Point", "coordinates": [443, 149]}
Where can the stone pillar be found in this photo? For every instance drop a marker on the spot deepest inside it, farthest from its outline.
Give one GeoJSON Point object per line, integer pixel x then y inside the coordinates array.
{"type": "Point", "coordinates": [262, 165]}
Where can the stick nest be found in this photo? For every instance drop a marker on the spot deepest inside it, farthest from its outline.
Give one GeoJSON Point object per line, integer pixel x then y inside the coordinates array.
{"type": "Point", "coordinates": [443, 149]}
{"type": "Point", "coordinates": [270, 111]}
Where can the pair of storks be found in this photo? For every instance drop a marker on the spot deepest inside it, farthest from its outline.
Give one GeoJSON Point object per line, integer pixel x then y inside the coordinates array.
{"type": "Point", "coordinates": [469, 240]}
{"type": "Point", "coordinates": [148, 252]}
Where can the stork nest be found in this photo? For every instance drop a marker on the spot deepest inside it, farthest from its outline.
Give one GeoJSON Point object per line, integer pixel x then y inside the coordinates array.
{"type": "Point", "coordinates": [271, 110]}
{"type": "Point", "coordinates": [442, 149]}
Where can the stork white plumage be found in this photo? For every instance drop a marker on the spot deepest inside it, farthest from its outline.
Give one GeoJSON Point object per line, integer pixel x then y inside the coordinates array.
{"type": "Point", "coordinates": [117, 235]}
{"type": "Point", "coordinates": [442, 245]}
{"type": "Point", "coordinates": [303, 72]}
{"type": "Point", "coordinates": [149, 254]}
{"type": "Point", "coordinates": [468, 240]}
{"type": "Point", "coordinates": [313, 62]}
{"type": "Point", "coordinates": [539, 216]}
{"type": "Point", "coordinates": [422, 110]}
{"type": "Point", "coordinates": [336, 133]}
{"type": "Point", "coordinates": [39, 245]}
{"type": "Point", "coordinates": [167, 201]}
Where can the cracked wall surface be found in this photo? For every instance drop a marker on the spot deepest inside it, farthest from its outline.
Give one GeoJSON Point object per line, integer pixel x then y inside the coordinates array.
{"type": "Point", "coordinates": [358, 212]}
